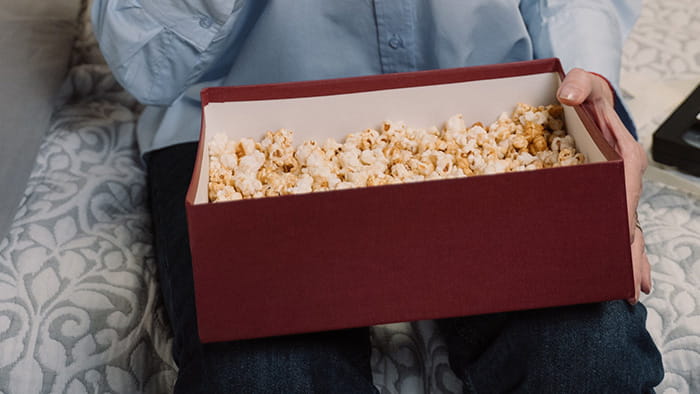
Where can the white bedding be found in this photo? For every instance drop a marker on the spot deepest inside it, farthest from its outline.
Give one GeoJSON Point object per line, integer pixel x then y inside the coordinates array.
{"type": "Point", "coordinates": [79, 307]}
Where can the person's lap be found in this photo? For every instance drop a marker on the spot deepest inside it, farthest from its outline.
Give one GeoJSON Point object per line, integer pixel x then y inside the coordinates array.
{"type": "Point", "coordinates": [585, 348]}
{"type": "Point", "coordinates": [591, 348]}
{"type": "Point", "coordinates": [337, 361]}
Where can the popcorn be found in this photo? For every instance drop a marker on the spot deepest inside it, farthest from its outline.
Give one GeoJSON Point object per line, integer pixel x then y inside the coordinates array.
{"type": "Point", "coordinates": [227, 164]}
{"type": "Point", "coordinates": [399, 170]}
{"type": "Point", "coordinates": [246, 147]}
{"type": "Point", "coordinates": [349, 159]}
{"type": "Point", "coordinates": [304, 151]}
{"type": "Point", "coordinates": [560, 143]}
{"type": "Point", "coordinates": [276, 184]}
{"type": "Point", "coordinates": [462, 162]}
{"type": "Point", "coordinates": [248, 186]}
{"type": "Point", "coordinates": [519, 142]}
{"type": "Point", "coordinates": [565, 154]}
{"type": "Point", "coordinates": [476, 162]}
{"type": "Point", "coordinates": [331, 148]}
{"type": "Point", "coordinates": [251, 163]}
{"type": "Point", "coordinates": [228, 193]}
{"type": "Point", "coordinates": [303, 185]}
{"type": "Point", "coordinates": [525, 158]}
{"type": "Point", "coordinates": [217, 146]}
{"type": "Point", "coordinates": [530, 138]}
{"type": "Point", "coordinates": [367, 157]}
{"type": "Point", "coordinates": [443, 163]}
{"type": "Point", "coordinates": [539, 144]}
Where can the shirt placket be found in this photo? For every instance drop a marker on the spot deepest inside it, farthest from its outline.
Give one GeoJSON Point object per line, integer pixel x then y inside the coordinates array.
{"type": "Point", "coordinates": [395, 35]}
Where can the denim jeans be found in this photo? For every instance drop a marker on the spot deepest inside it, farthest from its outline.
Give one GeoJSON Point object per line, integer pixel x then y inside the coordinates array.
{"type": "Point", "coordinates": [593, 348]}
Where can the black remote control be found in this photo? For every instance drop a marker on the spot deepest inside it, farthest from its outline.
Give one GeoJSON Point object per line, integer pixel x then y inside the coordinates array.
{"type": "Point", "coordinates": [677, 140]}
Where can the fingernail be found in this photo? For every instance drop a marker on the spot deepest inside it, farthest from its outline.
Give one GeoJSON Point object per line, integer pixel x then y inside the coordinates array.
{"type": "Point", "coordinates": [570, 93]}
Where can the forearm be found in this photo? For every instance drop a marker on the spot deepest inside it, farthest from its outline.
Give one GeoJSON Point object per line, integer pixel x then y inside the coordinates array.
{"type": "Point", "coordinates": [156, 48]}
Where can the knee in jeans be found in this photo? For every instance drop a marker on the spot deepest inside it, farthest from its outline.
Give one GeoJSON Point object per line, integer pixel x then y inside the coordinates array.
{"type": "Point", "coordinates": [298, 364]}
{"type": "Point", "coordinates": [217, 372]}
{"type": "Point", "coordinates": [605, 347]}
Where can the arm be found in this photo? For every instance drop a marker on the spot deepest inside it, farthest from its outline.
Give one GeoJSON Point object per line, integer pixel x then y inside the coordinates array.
{"type": "Point", "coordinates": [589, 34]}
{"type": "Point", "coordinates": [583, 33]}
{"type": "Point", "coordinates": [156, 48]}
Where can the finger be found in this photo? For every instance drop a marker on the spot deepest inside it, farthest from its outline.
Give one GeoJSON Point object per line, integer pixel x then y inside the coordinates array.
{"type": "Point", "coordinates": [579, 86]}
{"type": "Point", "coordinates": [598, 113]}
{"type": "Point", "coordinates": [634, 299]}
{"type": "Point", "coordinates": [646, 275]}
{"type": "Point", "coordinates": [622, 136]}
{"type": "Point", "coordinates": [637, 279]}
{"type": "Point", "coordinates": [614, 131]}
{"type": "Point", "coordinates": [575, 88]}
{"type": "Point", "coordinates": [638, 261]}
{"type": "Point", "coordinates": [634, 165]}
{"type": "Point", "coordinates": [646, 267]}
{"type": "Point", "coordinates": [633, 155]}
{"type": "Point", "coordinates": [594, 92]}
{"type": "Point", "coordinates": [635, 161]}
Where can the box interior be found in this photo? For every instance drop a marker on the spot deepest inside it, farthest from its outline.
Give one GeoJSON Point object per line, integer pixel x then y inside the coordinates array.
{"type": "Point", "coordinates": [335, 116]}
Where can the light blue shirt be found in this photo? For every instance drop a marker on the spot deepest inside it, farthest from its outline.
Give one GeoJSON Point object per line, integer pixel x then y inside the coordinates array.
{"type": "Point", "coordinates": [165, 51]}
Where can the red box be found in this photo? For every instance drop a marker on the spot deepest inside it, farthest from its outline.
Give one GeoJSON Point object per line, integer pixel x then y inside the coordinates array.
{"type": "Point", "coordinates": [338, 259]}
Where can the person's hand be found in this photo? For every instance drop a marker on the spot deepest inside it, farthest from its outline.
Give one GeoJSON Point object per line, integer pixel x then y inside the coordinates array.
{"type": "Point", "coordinates": [594, 94]}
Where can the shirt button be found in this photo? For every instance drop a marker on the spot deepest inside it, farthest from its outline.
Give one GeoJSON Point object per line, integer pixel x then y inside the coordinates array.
{"type": "Point", "coordinates": [395, 42]}
{"type": "Point", "coordinates": [205, 22]}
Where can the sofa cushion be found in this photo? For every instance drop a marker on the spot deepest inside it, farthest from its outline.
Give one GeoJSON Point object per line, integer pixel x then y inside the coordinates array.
{"type": "Point", "coordinates": [35, 47]}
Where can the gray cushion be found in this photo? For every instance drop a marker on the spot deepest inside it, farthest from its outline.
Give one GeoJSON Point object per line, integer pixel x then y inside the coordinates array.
{"type": "Point", "coordinates": [36, 37]}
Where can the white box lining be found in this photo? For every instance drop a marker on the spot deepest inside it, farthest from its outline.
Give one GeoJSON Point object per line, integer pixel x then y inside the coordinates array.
{"type": "Point", "coordinates": [335, 116]}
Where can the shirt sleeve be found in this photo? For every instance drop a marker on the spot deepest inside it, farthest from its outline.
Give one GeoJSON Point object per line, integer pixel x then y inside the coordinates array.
{"type": "Point", "coordinates": [582, 33]}
{"type": "Point", "coordinates": [156, 48]}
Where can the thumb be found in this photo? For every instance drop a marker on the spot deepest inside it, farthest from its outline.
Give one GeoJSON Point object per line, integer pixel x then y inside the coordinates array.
{"type": "Point", "coordinates": [575, 87]}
